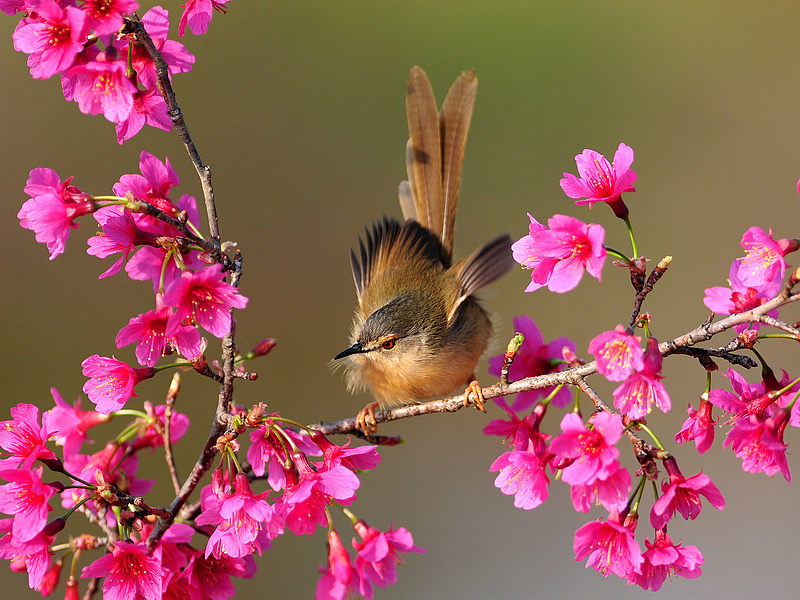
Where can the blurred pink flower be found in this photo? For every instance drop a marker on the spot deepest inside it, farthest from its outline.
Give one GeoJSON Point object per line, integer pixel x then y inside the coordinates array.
{"type": "Point", "coordinates": [339, 579]}
{"type": "Point", "coordinates": [379, 553]}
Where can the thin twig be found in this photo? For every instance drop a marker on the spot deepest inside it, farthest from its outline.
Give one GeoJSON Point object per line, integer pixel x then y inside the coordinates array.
{"type": "Point", "coordinates": [656, 274]}
{"type": "Point", "coordinates": [172, 394]}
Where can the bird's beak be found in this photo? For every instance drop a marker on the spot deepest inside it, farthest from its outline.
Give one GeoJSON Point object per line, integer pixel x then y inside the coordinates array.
{"type": "Point", "coordinates": [354, 349]}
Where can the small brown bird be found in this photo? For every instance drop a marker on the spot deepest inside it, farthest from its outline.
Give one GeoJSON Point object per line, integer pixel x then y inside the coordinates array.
{"type": "Point", "coordinates": [418, 330]}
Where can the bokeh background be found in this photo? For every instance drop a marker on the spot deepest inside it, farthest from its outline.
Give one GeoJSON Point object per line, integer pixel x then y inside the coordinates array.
{"type": "Point", "coordinates": [299, 109]}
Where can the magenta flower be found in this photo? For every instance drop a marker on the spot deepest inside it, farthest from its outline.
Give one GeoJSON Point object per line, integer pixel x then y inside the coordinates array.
{"type": "Point", "coordinates": [759, 443]}
{"type": "Point", "coordinates": [266, 454]}
{"type": "Point", "coordinates": [153, 185]}
{"type": "Point", "coordinates": [175, 54]}
{"type": "Point", "coordinates": [682, 495]}
{"type": "Point", "coordinates": [23, 439]}
{"type": "Point", "coordinates": [637, 394]}
{"type": "Point", "coordinates": [148, 108]}
{"type": "Point", "coordinates": [151, 435]}
{"type": "Point", "coordinates": [204, 298]}
{"type": "Point", "coordinates": [70, 423]}
{"type": "Point", "coordinates": [609, 546]}
{"type": "Point", "coordinates": [522, 475]}
{"type": "Point", "coordinates": [524, 434]}
{"type": "Point", "coordinates": [379, 554]}
{"type": "Point", "coordinates": [128, 572]}
{"type": "Point", "coordinates": [105, 16]}
{"type": "Point", "coordinates": [52, 209]}
{"type": "Point", "coordinates": [699, 426]}
{"type": "Point", "coordinates": [559, 255]}
{"type": "Point", "coordinates": [148, 331]}
{"type": "Point", "coordinates": [53, 38]}
{"type": "Point", "coordinates": [305, 499]}
{"type": "Point", "coordinates": [535, 357]}
{"type": "Point", "coordinates": [120, 234]}
{"type": "Point", "coordinates": [111, 382]}
{"type": "Point", "coordinates": [618, 354]}
{"type": "Point", "coordinates": [26, 497]}
{"type": "Point", "coordinates": [359, 458]}
{"type": "Point", "coordinates": [99, 85]}
{"type": "Point", "coordinates": [33, 556]}
{"type": "Point", "coordinates": [210, 578]}
{"type": "Point", "coordinates": [740, 297]}
{"type": "Point", "coordinates": [588, 454]}
{"type": "Point", "coordinates": [600, 181]}
{"type": "Point", "coordinates": [197, 15]}
{"type": "Point", "coordinates": [339, 579]}
{"type": "Point", "coordinates": [763, 263]}
{"type": "Point", "coordinates": [663, 558]}
{"type": "Point", "coordinates": [245, 521]}
{"type": "Point", "coordinates": [611, 492]}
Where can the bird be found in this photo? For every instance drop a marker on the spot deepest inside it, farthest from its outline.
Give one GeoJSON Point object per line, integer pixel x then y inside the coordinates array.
{"type": "Point", "coordinates": [418, 330]}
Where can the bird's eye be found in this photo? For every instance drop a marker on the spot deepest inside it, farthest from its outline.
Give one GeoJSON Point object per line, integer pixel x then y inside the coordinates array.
{"type": "Point", "coordinates": [388, 344]}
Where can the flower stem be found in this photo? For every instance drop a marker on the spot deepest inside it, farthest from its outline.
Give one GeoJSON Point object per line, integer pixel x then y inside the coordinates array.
{"type": "Point", "coordinates": [632, 236]}
{"type": "Point", "coordinates": [617, 253]}
{"type": "Point", "coordinates": [651, 434]}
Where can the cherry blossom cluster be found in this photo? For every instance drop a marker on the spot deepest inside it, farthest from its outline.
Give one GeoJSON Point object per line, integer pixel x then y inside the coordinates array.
{"type": "Point", "coordinates": [585, 454]}
{"type": "Point", "coordinates": [102, 68]}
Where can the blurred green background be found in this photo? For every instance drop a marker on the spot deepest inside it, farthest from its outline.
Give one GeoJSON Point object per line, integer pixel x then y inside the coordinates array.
{"type": "Point", "coordinates": [299, 109]}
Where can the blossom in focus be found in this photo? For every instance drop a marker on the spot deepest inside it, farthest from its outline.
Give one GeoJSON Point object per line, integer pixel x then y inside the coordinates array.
{"type": "Point", "coordinates": [663, 558]}
{"type": "Point", "coordinates": [52, 208]}
{"type": "Point", "coordinates": [105, 16]}
{"type": "Point", "coordinates": [128, 572]}
{"type": "Point", "coordinates": [699, 426]}
{"type": "Point", "coordinates": [682, 494]}
{"type": "Point", "coordinates": [111, 382]}
{"type": "Point", "coordinates": [339, 579]}
{"type": "Point", "coordinates": [611, 492]}
{"type": "Point", "coordinates": [23, 439]}
{"type": "Point", "coordinates": [26, 497]}
{"type": "Point", "coordinates": [148, 331]}
{"type": "Point", "coordinates": [148, 108]}
{"type": "Point", "coordinates": [588, 454]}
{"type": "Point", "coordinates": [53, 38]}
{"type": "Point", "coordinates": [379, 553]}
{"type": "Point", "coordinates": [100, 85]}
{"type": "Point", "coordinates": [759, 443]}
{"type": "Point", "coordinates": [197, 15]}
{"type": "Point", "coordinates": [33, 555]}
{"type": "Point", "coordinates": [637, 394]}
{"type": "Point", "coordinates": [609, 546]}
{"type": "Point", "coordinates": [204, 298]}
{"type": "Point", "coordinates": [740, 297]}
{"type": "Point", "coordinates": [535, 357]}
{"type": "Point", "coordinates": [559, 255]}
{"type": "Point", "coordinates": [618, 354]}
{"type": "Point", "coordinates": [266, 453]}
{"type": "Point", "coordinates": [522, 475]}
{"type": "Point", "coordinates": [600, 181]}
{"type": "Point", "coordinates": [763, 263]}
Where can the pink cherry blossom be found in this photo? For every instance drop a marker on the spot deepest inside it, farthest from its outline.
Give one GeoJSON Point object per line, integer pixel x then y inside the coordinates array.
{"type": "Point", "coordinates": [203, 298]}
{"type": "Point", "coordinates": [197, 15]}
{"type": "Point", "coordinates": [210, 578]}
{"type": "Point", "coordinates": [535, 357]}
{"type": "Point", "coordinates": [379, 553]}
{"type": "Point", "coordinates": [175, 54]}
{"type": "Point", "coordinates": [105, 16]}
{"type": "Point", "coordinates": [111, 382]}
{"type": "Point", "coordinates": [637, 394]}
{"type": "Point", "coordinates": [609, 546]}
{"type": "Point", "coordinates": [148, 108]}
{"type": "Point", "coordinates": [33, 555]}
{"type": "Point", "coordinates": [618, 354]}
{"type": "Point", "coordinates": [151, 435]}
{"type": "Point", "coordinates": [23, 439]}
{"type": "Point", "coordinates": [339, 579]}
{"type": "Point", "coordinates": [522, 475]}
{"type": "Point", "coordinates": [26, 497]}
{"type": "Point", "coordinates": [524, 434]}
{"type": "Point", "coordinates": [266, 453]}
{"type": "Point", "coordinates": [611, 492]}
{"type": "Point", "coordinates": [588, 454]}
{"type": "Point", "coordinates": [153, 185]}
{"type": "Point", "coordinates": [600, 181]}
{"type": "Point", "coordinates": [740, 297]}
{"type": "Point", "coordinates": [559, 255]}
{"type": "Point", "coordinates": [148, 331]}
{"type": "Point", "coordinates": [53, 38]}
{"type": "Point", "coordinates": [663, 558]}
{"type": "Point", "coordinates": [52, 209]}
{"type": "Point", "coordinates": [305, 499]}
{"type": "Point", "coordinates": [359, 458]}
{"type": "Point", "coordinates": [70, 423]}
{"type": "Point", "coordinates": [763, 263]}
{"type": "Point", "coordinates": [100, 85]}
{"type": "Point", "coordinates": [682, 495]}
{"type": "Point", "coordinates": [759, 443]}
{"type": "Point", "coordinates": [698, 427]}
{"type": "Point", "coordinates": [128, 572]}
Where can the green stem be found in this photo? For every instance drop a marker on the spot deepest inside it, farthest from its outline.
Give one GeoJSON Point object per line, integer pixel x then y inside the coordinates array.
{"type": "Point", "coordinates": [130, 412]}
{"type": "Point", "coordinates": [632, 236]}
{"type": "Point", "coordinates": [651, 434]}
{"type": "Point", "coordinates": [617, 253]}
{"type": "Point", "coordinates": [785, 336]}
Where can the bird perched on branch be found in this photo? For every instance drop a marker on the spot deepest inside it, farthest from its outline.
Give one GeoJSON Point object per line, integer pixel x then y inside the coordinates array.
{"type": "Point", "coordinates": [418, 330]}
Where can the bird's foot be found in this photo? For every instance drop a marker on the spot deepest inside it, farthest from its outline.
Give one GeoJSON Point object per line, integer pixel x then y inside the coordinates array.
{"type": "Point", "coordinates": [474, 394]}
{"type": "Point", "coordinates": [366, 419]}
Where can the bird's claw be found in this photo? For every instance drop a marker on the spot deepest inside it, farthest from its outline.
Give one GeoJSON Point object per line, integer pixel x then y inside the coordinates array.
{"type": "Point", "coordinates": [366, 419]}
{"type": "Point", "coordinates": [474, 389]}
